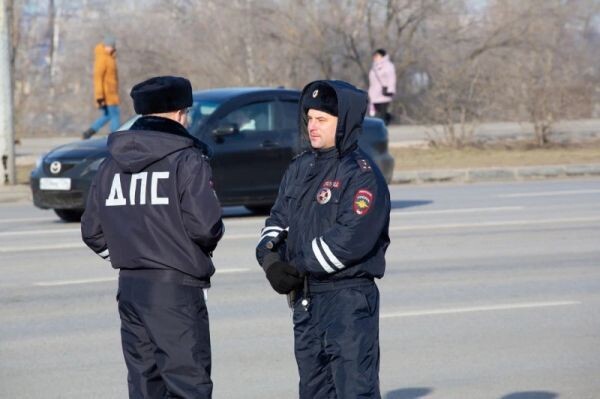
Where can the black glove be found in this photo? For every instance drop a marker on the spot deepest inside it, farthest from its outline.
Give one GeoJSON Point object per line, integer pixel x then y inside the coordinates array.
{"type": "Point", "coordinates": [101, 102]}
{"type": "Point", "coordinates": [386, 93]}
{"type": "Point", "coordinates": [283, 277]}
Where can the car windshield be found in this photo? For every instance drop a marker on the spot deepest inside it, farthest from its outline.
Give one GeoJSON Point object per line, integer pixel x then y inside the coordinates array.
{"type": "Point", "coordinates": [198, 112]}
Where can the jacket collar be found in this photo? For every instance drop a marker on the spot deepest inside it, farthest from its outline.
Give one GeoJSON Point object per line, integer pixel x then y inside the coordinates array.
{"type": "Point", "coordinates": [165, 125]}
{"type": "Point", "coordinates": [160, 124]}
{"type": "Point", "coordinates": [326, 153]}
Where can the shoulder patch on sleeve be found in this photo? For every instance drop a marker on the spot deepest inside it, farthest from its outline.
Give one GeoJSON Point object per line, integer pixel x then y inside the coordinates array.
{"type": "Point", "coordinates": [364, 165]}
{"type": "Point", "coordinates": [363, 199]}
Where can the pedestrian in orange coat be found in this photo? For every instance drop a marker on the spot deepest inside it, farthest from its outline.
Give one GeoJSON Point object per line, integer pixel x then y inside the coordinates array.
{"type": "Point", "coordinates": [106, 87]}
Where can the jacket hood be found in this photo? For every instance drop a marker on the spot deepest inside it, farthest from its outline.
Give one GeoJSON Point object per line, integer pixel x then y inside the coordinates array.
{"type": "Point", "coordinates": [352, 106]}
{"type": "Point", "coordinates": [136, 149]}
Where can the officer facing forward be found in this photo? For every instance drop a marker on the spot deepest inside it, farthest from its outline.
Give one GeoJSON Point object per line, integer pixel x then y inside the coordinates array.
{"type": "Point", "coordinates": [336, 205]}
{"type": "Point", "coordinates": [153, 213]}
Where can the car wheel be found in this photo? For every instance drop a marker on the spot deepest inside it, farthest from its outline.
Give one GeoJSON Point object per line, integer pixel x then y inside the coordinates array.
{"type": "Point", "coordinates": [69, 215]}
{"type": "Point", "coordinates": [259, 209]}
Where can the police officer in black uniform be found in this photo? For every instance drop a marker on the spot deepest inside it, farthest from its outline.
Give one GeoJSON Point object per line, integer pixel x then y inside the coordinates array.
{"type": "Point", "coordinates": [153, 213]}
{"type": "Point", "coordinates": [334, 204]}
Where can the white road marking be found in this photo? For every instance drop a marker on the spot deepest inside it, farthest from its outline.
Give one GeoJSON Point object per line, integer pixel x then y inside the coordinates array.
{"type": "Point", "coordinates": [260, 220]}
{"type": "Point", "coordinates": [548, 193]}
{"type": "Point", "coordinates": [25, 220]}
{"type": "Point", "coordinates": [232, 270]}
{"type": "Point", "coordinates": [74, 245]}
{"type": "Point", "coordinates": [75, 282]}
{"type": "Point", "coordinates": [111, 279]}
{"type": "Point", "coordinates": [453, 211]}
{"type": "Point", "coordinates": [78, 231]}
{"type": "Point", "coordinates": [496, 224]}
{"type": "Point", "coordinates": [244, 220]}
{"type": "Point", "coordinates": [39, 232]}
{"type": "Point", "coordinates": [489, 308]}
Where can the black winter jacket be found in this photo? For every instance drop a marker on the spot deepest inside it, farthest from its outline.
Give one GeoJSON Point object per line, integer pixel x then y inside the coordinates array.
{"type": "Point", "coordinates": [335, 203]}
{"type": "Point", "coordinates": [151, 204]}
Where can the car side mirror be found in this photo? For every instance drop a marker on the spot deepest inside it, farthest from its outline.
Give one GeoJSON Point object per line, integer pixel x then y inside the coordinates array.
{"type": "Point", "coordinates": [226, 130]}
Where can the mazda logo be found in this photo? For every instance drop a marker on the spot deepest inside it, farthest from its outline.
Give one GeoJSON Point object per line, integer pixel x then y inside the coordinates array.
{"type": "Point", "coordinates": [55, 167]}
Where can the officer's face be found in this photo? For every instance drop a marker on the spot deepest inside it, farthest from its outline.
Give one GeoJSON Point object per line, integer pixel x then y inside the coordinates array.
{"type": "Point", "coordinates": [321, 129]}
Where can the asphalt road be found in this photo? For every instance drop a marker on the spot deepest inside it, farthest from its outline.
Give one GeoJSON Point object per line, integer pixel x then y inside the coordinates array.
{"type": "Point", "coordinates": [491, 291]}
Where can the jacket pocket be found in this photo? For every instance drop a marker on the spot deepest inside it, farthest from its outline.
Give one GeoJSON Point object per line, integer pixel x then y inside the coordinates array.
{"type": "Point", "coordinates": [367, 298]}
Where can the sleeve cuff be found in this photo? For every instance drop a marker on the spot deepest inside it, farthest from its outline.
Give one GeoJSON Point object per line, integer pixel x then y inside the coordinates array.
{"type": "Point", "coordinates": [104, 254]}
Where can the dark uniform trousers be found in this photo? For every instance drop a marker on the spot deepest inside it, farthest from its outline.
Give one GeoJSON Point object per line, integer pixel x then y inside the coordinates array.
{"type": "Point", "coordinates": [337, 342]}
{"type": "Point", "coordinates": [165, 338]}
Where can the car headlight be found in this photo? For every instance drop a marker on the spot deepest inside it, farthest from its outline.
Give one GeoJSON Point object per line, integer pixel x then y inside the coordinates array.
{"type": "Point", "coordinates": [93, 167]}
{"type": "Point", "coordinates": [39, 161]}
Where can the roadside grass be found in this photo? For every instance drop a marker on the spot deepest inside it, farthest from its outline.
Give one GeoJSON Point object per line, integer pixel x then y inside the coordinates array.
{"type": "Point", "coordinates": [496, 156]}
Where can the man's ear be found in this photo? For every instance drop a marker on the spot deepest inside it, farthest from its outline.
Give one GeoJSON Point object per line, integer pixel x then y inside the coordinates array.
{"type": "Point", "coordinates": [181, 116]}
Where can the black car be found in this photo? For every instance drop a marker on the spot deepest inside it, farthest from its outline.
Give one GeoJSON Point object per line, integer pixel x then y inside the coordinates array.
{"type": "Point", "coordinates": [253, 135]}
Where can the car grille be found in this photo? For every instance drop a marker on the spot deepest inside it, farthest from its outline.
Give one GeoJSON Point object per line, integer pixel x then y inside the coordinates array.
{"type": "Point", "coordinates": [65, 167]}
{"type": "Point", "coordinates": [61, 199]}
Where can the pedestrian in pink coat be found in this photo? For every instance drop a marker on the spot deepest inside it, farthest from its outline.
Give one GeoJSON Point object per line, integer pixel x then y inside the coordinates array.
{"type": "Point", "coordinates": [382, 85]}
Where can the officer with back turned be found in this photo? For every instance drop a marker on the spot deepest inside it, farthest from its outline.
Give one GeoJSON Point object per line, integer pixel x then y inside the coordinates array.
{"type": "Point", "coordinates": [334, 204]}
{"type": "Point", "coordinates": [152, 212]}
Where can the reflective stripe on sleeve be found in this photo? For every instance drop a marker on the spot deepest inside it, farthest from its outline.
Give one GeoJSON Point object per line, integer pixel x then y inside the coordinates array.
{"type": "Point", "coordinates": [271, 234]}
{"type": "Point", "coordinates": [270, 231]}
{"type": "Point", "coordinates": [271, 228]}
{"type": "Point", "coordinates": [336, 262]}
{"type": "Point", "coordinates": [320, 258]}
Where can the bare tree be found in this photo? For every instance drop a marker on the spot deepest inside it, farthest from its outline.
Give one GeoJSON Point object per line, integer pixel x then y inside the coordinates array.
{"type": "Point", "coordinates": [456, 66]}
{"type": "Point", "coordinates": [546, 79]}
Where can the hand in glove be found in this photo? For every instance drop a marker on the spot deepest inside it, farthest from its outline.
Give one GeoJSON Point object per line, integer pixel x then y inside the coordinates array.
{"type": "Point", "coordinates": [386, 93]}
{"type": "Point", "coordinates": [283, 277]}
{"type": "Point", "coordinates": [101, 102]}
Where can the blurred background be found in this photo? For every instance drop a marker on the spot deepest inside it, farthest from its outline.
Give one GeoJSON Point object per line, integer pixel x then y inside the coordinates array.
{"type": "Point", "coordinates": [459, 63]}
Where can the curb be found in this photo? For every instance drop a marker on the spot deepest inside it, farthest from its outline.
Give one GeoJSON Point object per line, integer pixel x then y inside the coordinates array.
{"type": "Point", "coordinates": [22, 193]}
{"type": "Point", "coordinates": [495, 174]}
{"type": "Point", "coordinates": [15, 194]}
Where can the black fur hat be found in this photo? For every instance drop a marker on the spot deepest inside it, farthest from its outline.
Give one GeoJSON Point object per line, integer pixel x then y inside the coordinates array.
{"type": "Point", "coordinates": [322, 97]}
{"type": "Point", "coordinates": [162, 94]}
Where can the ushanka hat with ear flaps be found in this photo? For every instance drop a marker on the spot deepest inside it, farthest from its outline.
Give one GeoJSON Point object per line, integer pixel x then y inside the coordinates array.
{"type": "Point", "coordinates": [162, 94]}
{"type": "Point", "coordinates": [322, 97]}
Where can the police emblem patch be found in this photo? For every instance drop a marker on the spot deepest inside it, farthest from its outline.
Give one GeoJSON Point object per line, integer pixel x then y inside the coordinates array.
{"type": "Point", "coordinates": [324, 195]}
{"type": "Point", "coordinates": [315, 93]}
{"type": "Point", "coordinates": [362, 202]}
